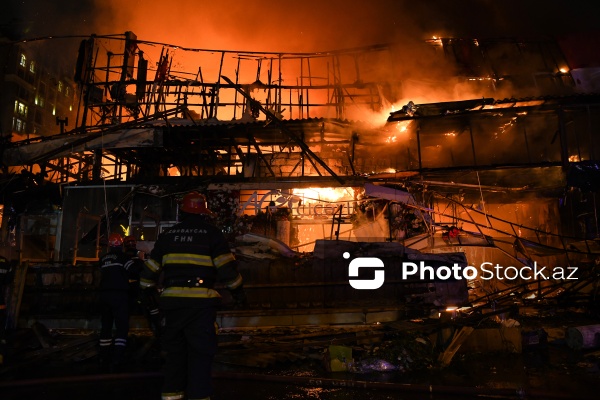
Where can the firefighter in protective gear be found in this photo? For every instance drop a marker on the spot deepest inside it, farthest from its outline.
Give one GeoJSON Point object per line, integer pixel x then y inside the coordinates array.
{"type": "Point", "coordinates": [114, 303]}
{"type": "Point", "coordinates": [191, 256]}
{"type": "Point", "coordinates": [142, 301]}
{"type": "Point", "coordinates": [130, 245]}
{"type": "Point", "coordinates": [134, 267]}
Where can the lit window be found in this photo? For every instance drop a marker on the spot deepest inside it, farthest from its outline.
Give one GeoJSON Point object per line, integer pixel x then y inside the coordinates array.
{"type": "Point", "coordinates": [20, 109]}
{"type": "Point", "coordinates": [67, 91]}
{"type": "Point", "coordinates": [23, 61]}
{"type": "Point", "coordinates": [60, 86]}
{"type": "Point", "coordinates": [18, 125]}
{"type": "Point", "coordinates": [54, 111]}
{"type": "Point", "coordinates": [32, 67]}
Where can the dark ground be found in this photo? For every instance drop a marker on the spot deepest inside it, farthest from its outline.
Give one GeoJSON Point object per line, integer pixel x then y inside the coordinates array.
{"type": "Point", "coordinates": [548, 370]}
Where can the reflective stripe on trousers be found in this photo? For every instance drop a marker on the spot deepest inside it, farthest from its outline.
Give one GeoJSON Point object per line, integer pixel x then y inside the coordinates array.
{"type": "Point", "coordinates": [178, 396]}
{"type": "Point", "coordinates": [172, 396]}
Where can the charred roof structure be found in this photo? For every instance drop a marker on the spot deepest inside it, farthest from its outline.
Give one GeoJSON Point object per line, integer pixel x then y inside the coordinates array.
{"type": "Point", "coordinates": [259, 108]}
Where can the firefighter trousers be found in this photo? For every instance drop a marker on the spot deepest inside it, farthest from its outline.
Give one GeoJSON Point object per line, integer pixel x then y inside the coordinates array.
{"type": "Point", "coordinates": [115, 311]}
{"type": "Point", "coordinates": [189, 341]}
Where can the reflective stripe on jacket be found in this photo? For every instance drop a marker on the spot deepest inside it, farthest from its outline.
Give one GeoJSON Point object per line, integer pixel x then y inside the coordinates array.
{"type": "Point", "coordinates": [195, 251]}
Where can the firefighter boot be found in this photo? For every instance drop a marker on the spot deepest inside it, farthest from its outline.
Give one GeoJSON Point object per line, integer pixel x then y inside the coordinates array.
{"type": "Point", "coordinates": [104, 356]}
{"type": "Point", "coordinates": [118, 359]}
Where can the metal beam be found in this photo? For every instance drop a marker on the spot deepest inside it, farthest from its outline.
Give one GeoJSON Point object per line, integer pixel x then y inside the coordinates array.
{"type": "Point", "coordinates": [284, 129]}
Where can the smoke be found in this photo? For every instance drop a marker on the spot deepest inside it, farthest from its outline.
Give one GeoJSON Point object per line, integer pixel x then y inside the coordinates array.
{"type": "Point", "coordinates": [315, 25]}
{"type": "Point", "coordinates": [307, 26]}
{"type": "Point", "coordinates": [290, 26]}
{"type": "Point", "coordinates": [284, 26]}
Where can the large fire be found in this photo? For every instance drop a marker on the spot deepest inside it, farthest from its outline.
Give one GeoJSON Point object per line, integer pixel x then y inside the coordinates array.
{"type": "Point", "coordinates": [314, 195]}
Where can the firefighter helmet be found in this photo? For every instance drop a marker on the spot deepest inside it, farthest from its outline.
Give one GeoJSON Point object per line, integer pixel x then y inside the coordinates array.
{"type": "Point", "coordinates": [115, 240]}
{"type": "Point", "coordinates": [130, 241]}
{"type": "Point", "coordinates": [195, 203]}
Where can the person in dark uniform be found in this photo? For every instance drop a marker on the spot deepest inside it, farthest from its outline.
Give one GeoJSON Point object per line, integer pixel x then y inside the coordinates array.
{"type": "Point", "coordinates": [145, 302]}
{"type": "Point", "coordinates": [114, 303]}
{"type": "Point", "coordinates": [192, 255]}
{"type": "Point", "coordinates": [133, 267]}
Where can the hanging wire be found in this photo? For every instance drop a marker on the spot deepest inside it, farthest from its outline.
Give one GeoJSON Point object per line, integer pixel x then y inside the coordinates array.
{"type": "Point", "coordinates": [104, 185]}
{"type": "Point", "coordinates": [482, 201]}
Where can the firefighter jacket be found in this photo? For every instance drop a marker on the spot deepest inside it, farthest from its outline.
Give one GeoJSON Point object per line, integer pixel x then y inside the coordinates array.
{"type": "Point", "coordinates": [191, 256]}
{"type": "Point", "coordinates": [134, 267]}
{"type": "Point", "coordinates": [113, 275]}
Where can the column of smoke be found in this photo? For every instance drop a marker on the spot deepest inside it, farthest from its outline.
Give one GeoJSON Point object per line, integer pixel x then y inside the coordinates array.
{"type": "Point", "coordinates": [312, 26]}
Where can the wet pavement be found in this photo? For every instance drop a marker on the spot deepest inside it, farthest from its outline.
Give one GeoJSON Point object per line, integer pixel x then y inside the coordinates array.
{"type": "Point", "coordinates": [554, 373]}
{"type": "Point", "coordinates": [543, 371]}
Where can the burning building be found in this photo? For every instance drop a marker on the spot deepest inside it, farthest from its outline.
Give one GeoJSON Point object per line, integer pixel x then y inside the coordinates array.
{"type": "Point", "coordinates": [303, 152]}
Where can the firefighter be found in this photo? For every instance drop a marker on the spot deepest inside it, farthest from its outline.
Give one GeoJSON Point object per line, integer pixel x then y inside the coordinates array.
{"type": "Point", "coordinates": [114, 303]}
{"type": "Point", "coordinates": [192, 255]}
{"type": "Point", "coordinates": [144, 301]}
{"type": "Point", "coordinates": [133, 267]}
{"type": "Point", "coordinates": [130, 246]}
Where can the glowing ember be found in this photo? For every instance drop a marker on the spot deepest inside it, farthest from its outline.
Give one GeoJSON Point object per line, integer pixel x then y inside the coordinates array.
{"type": "Point", "coordinates": [436, 41]}
{"type": "Point", "coordinates": [506, 126]}
{"type": "Point", "coordinates": [402, 126]}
